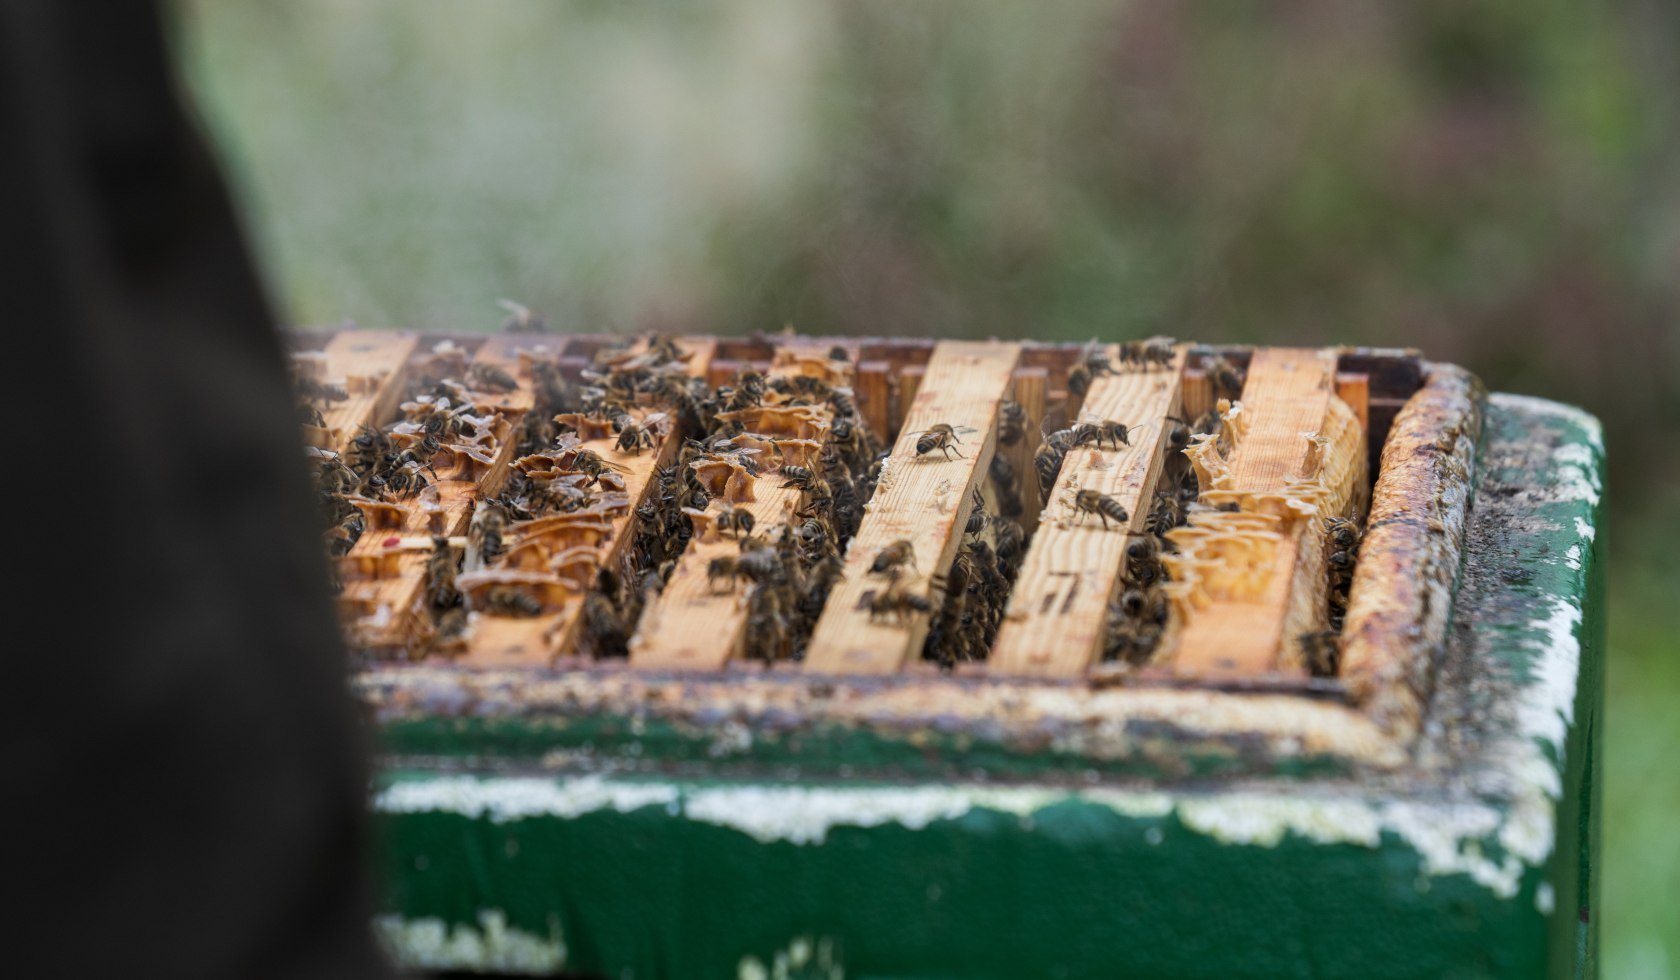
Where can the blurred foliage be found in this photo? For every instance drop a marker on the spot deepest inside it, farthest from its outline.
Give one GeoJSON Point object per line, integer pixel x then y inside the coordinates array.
{"type": "Point", "coordinates": [1495, 182]}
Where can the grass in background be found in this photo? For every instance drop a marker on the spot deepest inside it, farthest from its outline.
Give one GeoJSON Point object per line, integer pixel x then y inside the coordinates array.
{"type": "Point", "coordinates": [1494, 181]}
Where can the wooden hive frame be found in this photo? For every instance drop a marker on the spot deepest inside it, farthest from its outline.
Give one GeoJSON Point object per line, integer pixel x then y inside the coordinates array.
{"type": "Point", "coordinates": [1045, 671]}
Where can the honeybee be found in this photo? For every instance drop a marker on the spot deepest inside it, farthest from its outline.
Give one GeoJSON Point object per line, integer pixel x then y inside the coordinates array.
{"type": "Point", "coordinates": [589, 463]}
{"type": "Point", "coordinates": [747, 393]}
{"type": "Point", "coordinates": [1167, 513]}
{"type": "Point", "coordinates": [1011, 542]}
{"type": "Point", "coordinates": [1178, 434]}
{"type": "Point", "coordinates": [896, 604]}
{"type": "Point", "coordinates": [942, 437]}
{"type": "Point", "coordinates": [405, 480]}
{"type": "Point", "coordinates": [366, 450]}
{"type": "Point", "coordinates": [1143, 560]}
{"type": "Point", "coordinates": [308, 414]}
{"type": "Point", "coordinates": [505, 601]}
{"type": "Point", "coordinates": [1344, 533]}
{"type": "Point", "coordinates": [759, 564]}
{"type": "Point", "coordinates": [1322, 651]}
{"type": "Point", "coordinates": [1012, 422]}
{"type": "Point", "coordinates": [1129, 640]}
{"type": "Point", "coordinates": [1098, 432]}
{"type": "Point", "coordinates": [799, 478]}
{"type": "Point", "coordinates": [521, 318]}
{"type": "Point", "coordinates": [889, 559]}
{"type": "Point", "coordinates": [1227, 380]}
{"type": "Point", "coordinates": [840, 400]}
{"type": "Point", "coordinates": [735, 520]}
{"type": "Point", "coordinates": [440, 575]}
{"type": "Point", "coordinates": [1156, 351]}
{"type": "Point", "coordinates": [977, 521]}
{"type": "Point", "coordinates": [1149, 606]}
{"type": "Point", "coordinates": [452, 623]}
{"type": "Point", "coordinates": [1002, 472]}
{"type": "Point", "coordinates": [846, 435]}
{"type": "Point", "coordinates": [1095, 502]}
{"type": "Point", "coordinates": [1092, 363]}
{"type": "Point", "coordinates": [343, 535]}
{"type": "Point", "coordinates": [320, 391]}
{"type": "Point", "coordinates": [488, 377]}
{"type": "Point", "coordinates": [604, 627]}
{"type": "Point", "coordinates": [489, 522]}
{"type": "Point", "coordinates": [1047, 463]}
{"type": "Point", "coordinates": [633, 436]}
{"type": "Point", "coordinates": [722, 567]}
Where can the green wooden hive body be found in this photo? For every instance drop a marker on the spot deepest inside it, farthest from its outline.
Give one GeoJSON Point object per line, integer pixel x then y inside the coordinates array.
{"type": "Point", "coordinates": [568, 821]}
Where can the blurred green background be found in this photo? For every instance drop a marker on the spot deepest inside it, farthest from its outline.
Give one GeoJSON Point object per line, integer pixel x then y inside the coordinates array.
{"type": "Point", "coordinates": [1494, 181]}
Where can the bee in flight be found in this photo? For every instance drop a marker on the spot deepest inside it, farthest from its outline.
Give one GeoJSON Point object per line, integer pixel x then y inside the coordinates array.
{"type": "Point", "coordinates": [889, 559]}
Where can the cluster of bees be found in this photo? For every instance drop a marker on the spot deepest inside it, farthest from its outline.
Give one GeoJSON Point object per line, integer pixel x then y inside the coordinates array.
{"type": "Point", "coordinates": [638, 394]}
{"type": "Point", "coordinates": [1136, 620]}
{"type": "Point", "coordinates": [1322, 649]}
{"type": "Point", "coordinates": [976, 589]}
{"type": "Point", "coordinates": [789, 572]}
{"type": "Point", "coordinates": [381, 466]}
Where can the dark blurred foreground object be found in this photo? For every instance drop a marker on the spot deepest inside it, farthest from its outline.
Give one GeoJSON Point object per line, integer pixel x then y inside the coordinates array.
{"type": "Point", "coordinates": [178, 733]}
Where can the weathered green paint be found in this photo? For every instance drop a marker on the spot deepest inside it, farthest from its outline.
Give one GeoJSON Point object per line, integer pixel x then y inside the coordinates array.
{"type": "Point", "coordinates": [601, 741]}
{"type": "Point", "coordinates": [1474, 860]}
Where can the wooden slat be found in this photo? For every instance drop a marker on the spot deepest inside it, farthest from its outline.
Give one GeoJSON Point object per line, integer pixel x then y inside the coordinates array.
{"type": "Point", "coordinates": [506, 641]}
{"type": "Point", "coordinates": [922, 499]}
{"type": "Point", "coordinates": [1031, 392]}
{"type": "Point", "coordinates": [1355, 389]}
{"type": "Point", "coordinates": [694, 623]}
{"type": "Point", "coordinates": [1268, 583]}
{"type": "Point", "coordinates": [1055, 621]}
{"type": "Point", "coordinates": [388, 606]}
{"type": "Point", "coordinates": [369, 364]}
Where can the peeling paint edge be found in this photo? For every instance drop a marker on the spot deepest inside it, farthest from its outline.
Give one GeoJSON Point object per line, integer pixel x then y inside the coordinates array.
{"type": "Point", "coordinates": [1530, 404]}
{"type": "Point", "coordinates": [1447, 835]}
{"type": "Point", "coordinates": [493, 946]}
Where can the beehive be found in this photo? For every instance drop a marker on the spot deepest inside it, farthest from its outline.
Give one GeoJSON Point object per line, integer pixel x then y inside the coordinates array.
{"type": "Point", "coordinates": [993, 756]}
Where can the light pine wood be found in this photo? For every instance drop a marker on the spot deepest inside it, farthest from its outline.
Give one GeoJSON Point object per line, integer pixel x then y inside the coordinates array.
{"type": "Point", "coordinates": [389, 607]}
{"type": "Point", "coordinates": [370, 365]}
{"type": "Point", "coordinates": [1355, 389]}
{"type": "Point", "coordinates": [504, 641]}
{"type": "Point", "coordinates": [1073, 569]}
{"type": "Point", "coordinates": [698, 624]}
{"type": "Point", "coordinates": [923, 499]}
{"type": "Point", "coordinates": [1246, 585]}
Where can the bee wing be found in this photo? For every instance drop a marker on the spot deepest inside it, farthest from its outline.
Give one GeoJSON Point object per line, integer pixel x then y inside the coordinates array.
{"type": "Point", "coordinates": [1055, 419]}
{"type": "Point", "coordinates": [656, 419]}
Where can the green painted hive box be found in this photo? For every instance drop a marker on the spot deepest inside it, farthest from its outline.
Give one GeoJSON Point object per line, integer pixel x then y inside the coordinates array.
{"type": "Point", "coordinates": [1412, 792]}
